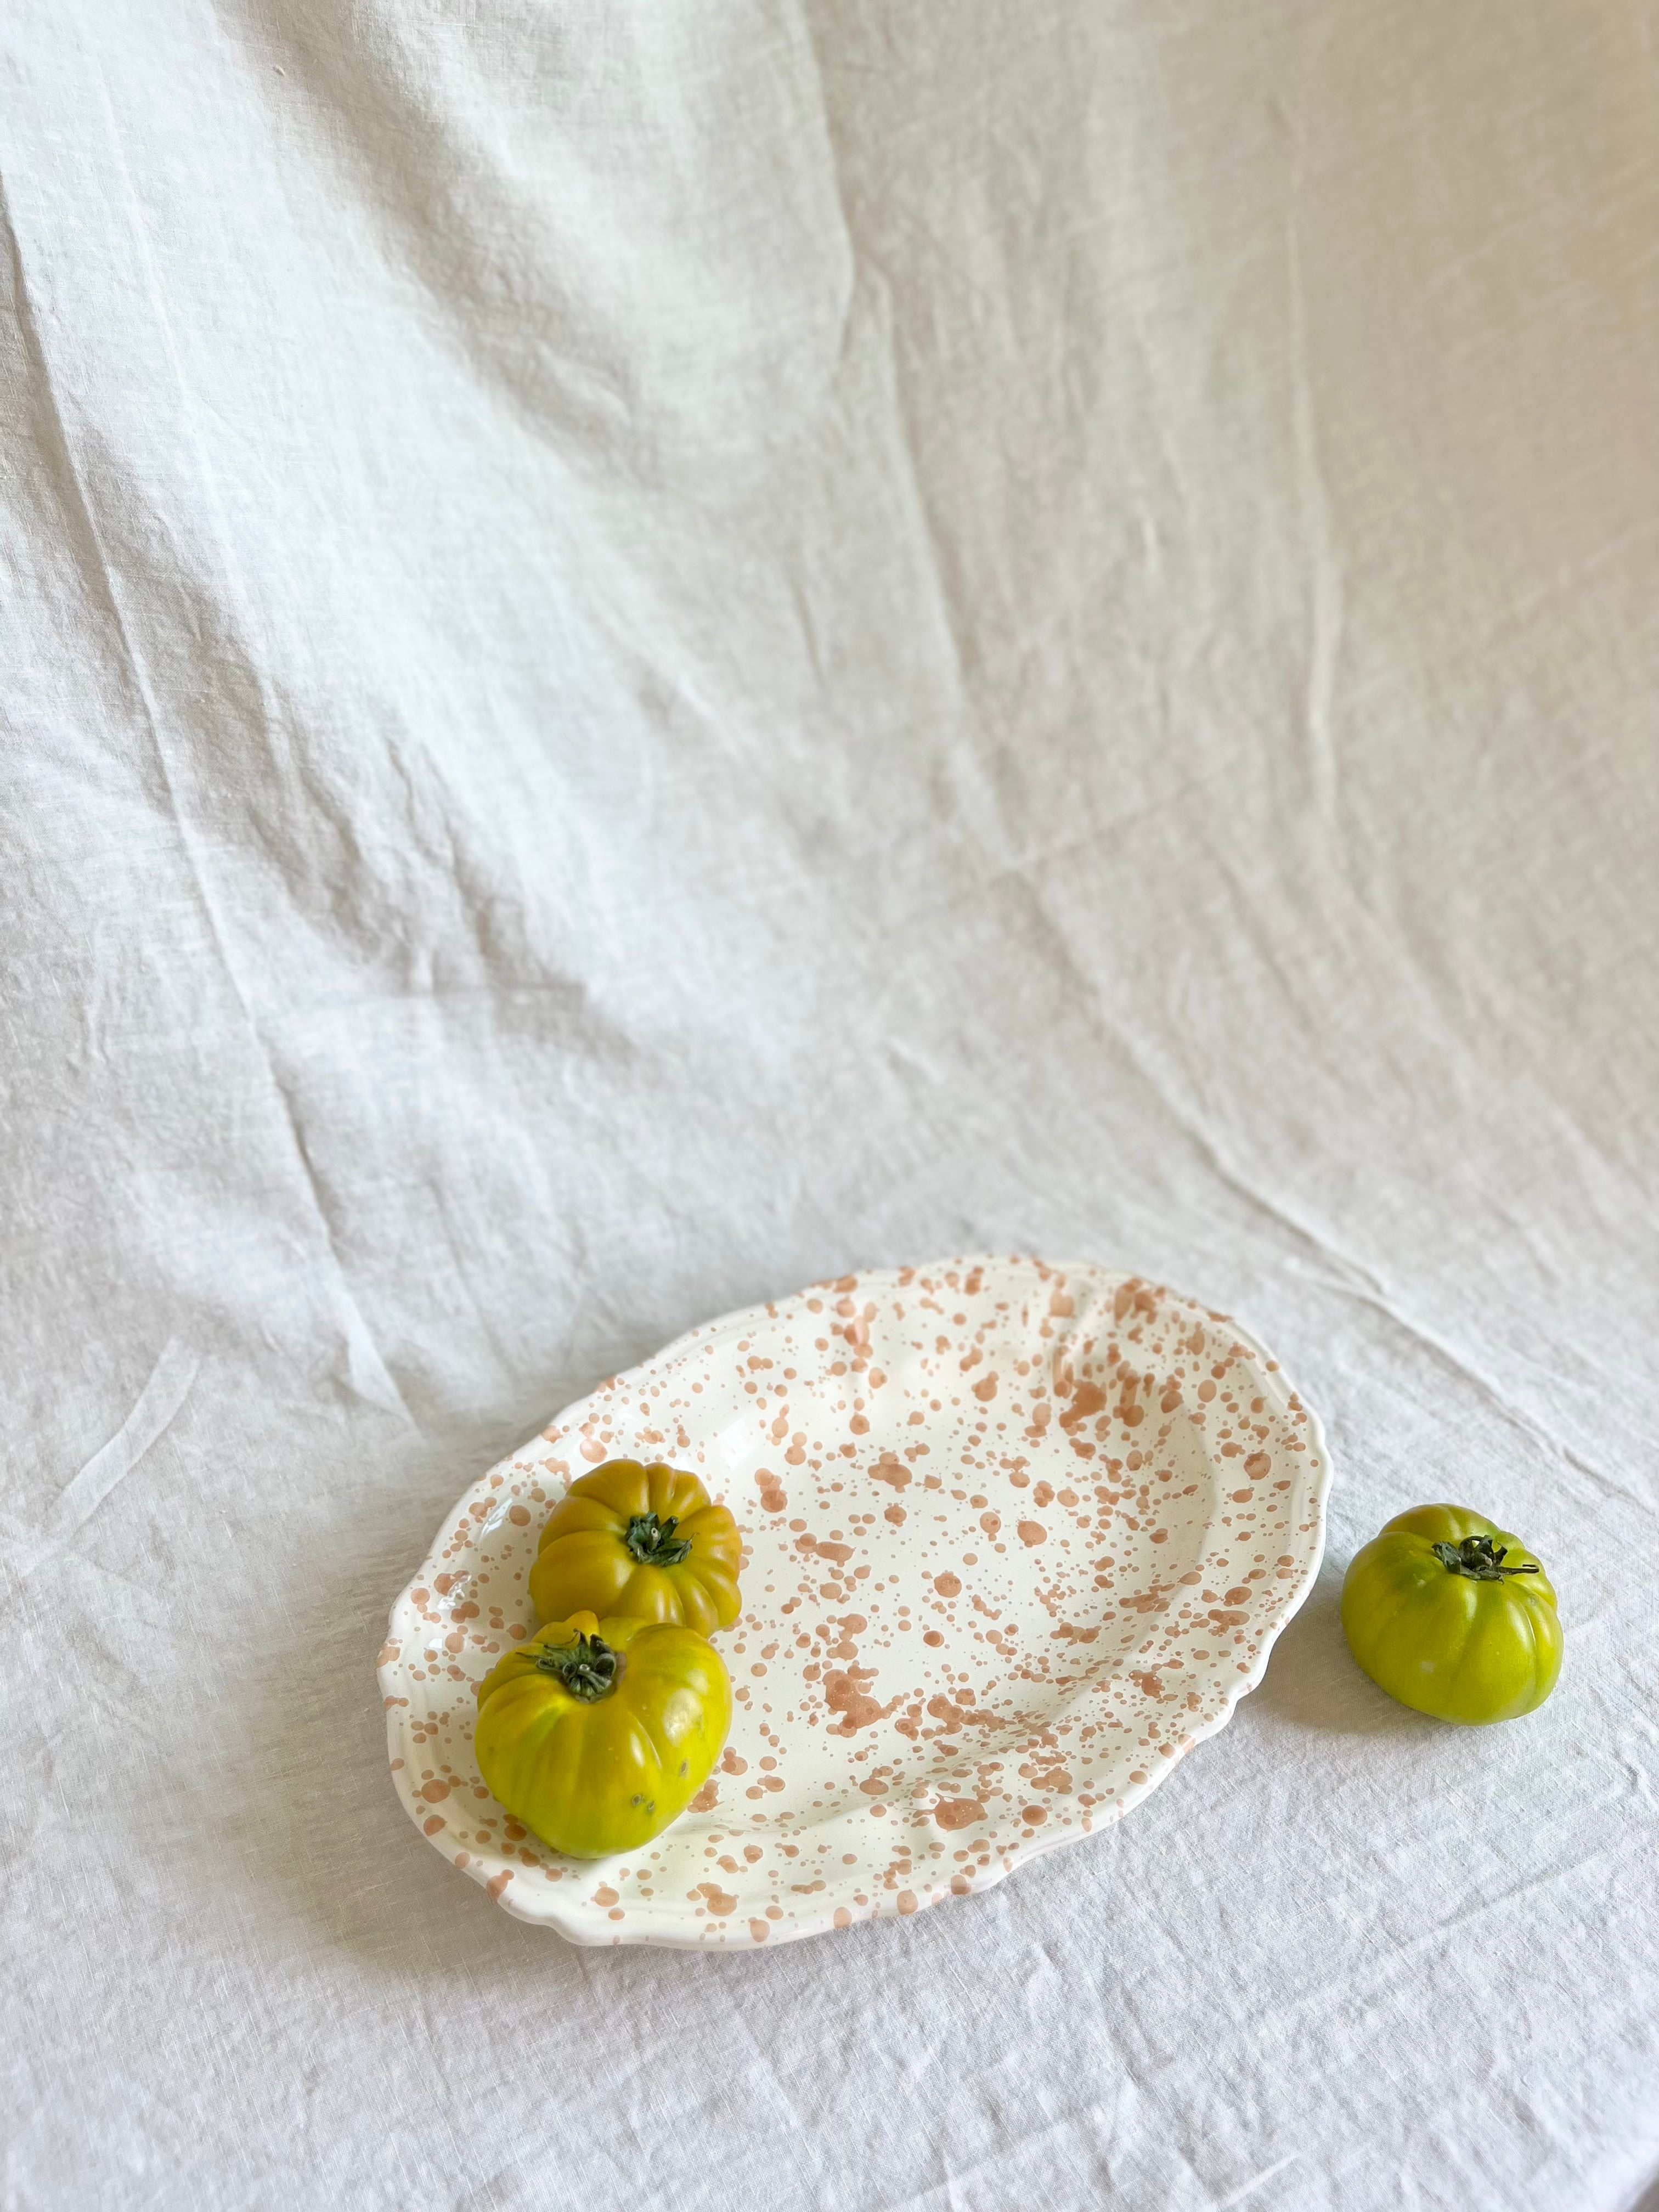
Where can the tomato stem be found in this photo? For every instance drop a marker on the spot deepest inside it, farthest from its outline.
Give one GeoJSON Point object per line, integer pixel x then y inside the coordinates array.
{"type": "Point", "coordinates": [1476, 1558]}
{"type": "Point", "coordinates": [655, 1544]}
{"type": "Point", "coordinates": [587, 1667]}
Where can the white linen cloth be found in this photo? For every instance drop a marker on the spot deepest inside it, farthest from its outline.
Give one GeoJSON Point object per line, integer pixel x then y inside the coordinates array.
{"type": "Point", "coordinates": [653, 652]}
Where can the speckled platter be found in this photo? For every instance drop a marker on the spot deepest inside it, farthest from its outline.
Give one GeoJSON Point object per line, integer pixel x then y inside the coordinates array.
{"type": "Point", "coordinates": [1017, 1537]}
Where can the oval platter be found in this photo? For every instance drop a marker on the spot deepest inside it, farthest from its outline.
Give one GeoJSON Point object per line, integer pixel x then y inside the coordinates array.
{"type": "Point", "coordinates": [1016, 1536]}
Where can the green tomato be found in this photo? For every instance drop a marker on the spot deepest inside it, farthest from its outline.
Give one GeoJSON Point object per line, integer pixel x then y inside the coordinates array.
{"type": "Point", "coordinates": [1453, 1616]}
{"type": "Point", "coordinates": [597, 1733]}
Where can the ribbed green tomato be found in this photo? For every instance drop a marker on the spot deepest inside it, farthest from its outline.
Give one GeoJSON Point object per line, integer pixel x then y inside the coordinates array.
{"type": "Point", "coordinates": [643, 1540]}
{"type": "Point", "coordinates": [1453, 1616]}
{"type": "Point", "coordinates": [597, 1733]}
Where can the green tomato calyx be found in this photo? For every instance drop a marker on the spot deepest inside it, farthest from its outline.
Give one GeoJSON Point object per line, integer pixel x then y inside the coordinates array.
{"type": "Point", "coordinates": [653, 1543]}
{"type": "Point", "coordinates": [1476, 1558]}
{"type": "Point", "coordinates": [587, 1667]}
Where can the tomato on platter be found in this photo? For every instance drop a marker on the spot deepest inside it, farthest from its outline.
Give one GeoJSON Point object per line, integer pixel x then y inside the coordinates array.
{"type": "Point", "coordinates": [597, 1733]}
{"type": "Point", "coordinates": [643, 1540]}
{"type": "Point", "coordinates": [1453, 1616]}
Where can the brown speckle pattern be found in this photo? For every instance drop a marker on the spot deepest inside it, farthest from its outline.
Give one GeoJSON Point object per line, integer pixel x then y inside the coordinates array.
{"type": "Point", "coordinates": [1016, 1536]}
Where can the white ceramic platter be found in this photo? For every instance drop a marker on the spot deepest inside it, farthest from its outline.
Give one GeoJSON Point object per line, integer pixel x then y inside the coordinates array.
{"type": "Point", "coordinates": [1016, 1537]}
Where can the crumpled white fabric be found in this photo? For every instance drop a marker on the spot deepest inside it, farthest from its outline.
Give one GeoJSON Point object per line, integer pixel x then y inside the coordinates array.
{"type": "Point", "coordinates": [653, 652]}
